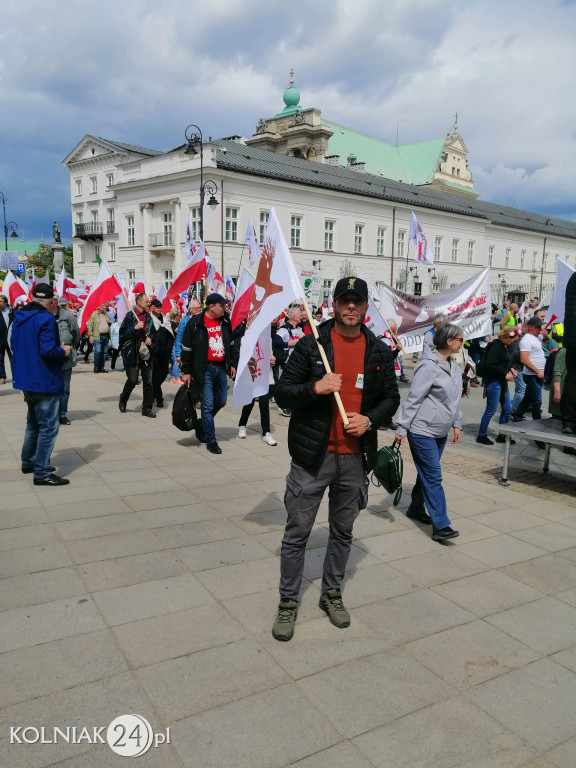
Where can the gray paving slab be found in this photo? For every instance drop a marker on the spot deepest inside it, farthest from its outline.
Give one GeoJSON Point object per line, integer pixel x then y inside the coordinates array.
{"type": "Point", "coordinates": [150, 585]}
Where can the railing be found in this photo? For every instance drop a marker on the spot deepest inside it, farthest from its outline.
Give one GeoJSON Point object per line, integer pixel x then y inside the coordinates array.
{"type": "Point", "coordinates": [110, 227]}
{"type": "Point", "coordinates": [92, 230]}
{"type": "Point", "coordinates": [161, 240]}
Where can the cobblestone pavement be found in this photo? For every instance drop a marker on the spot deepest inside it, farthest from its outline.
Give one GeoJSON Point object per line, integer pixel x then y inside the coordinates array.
{"type": "Point", "coordinates": [149, 586]}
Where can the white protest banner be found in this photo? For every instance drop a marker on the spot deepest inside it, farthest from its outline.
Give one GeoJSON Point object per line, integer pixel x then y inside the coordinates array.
{"type": "Point", "coordinates": [468, 304]}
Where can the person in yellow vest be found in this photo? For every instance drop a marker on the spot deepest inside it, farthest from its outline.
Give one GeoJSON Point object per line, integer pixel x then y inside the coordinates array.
{"type": "Point", "coordinates": [510, 317]}
{"type": "Point", "coordinates": [558, 333]}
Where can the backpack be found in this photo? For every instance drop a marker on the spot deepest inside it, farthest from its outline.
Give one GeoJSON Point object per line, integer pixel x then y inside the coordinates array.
{"type": "Point", "coordinates": [481, 364]}
{"type": "Point", "coordinates": [184, 415]}
{"type": "Point", "coordinates": [389, 469]}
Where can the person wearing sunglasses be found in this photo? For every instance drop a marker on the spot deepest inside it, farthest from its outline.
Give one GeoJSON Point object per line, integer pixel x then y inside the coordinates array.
{"type": "Point", "coordinates": [431, 409]}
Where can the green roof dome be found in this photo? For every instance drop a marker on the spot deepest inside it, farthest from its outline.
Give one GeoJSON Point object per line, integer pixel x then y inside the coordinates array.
{"type": "Point", "coordinates": [291, 94]}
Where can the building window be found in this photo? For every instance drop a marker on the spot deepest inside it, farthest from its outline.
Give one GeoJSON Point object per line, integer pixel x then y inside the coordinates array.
{"type": "Point", "coordinates": [507, 258]}
{"type": "Point", "coordinates": [490, 255]}
{"type": "Point", "coordinates": [455, 244]}
{"type": "Point", "coordinates": [109, 180]}
{"type": "Point", "coordinates": [326, 288]}
{"type": "Point", "coordinates": [329, 235]}
{"type": "Point", "coordinates": [111, 251]}
{"type": "Point", "coordinates": [380, 241]}
{"type": "Point", "coordinates": [77, 187]}
{"type": "Point", "coordinates": [130, 239]}
{"type": "Point", "coordinates": [522, 259]}
{"type": "Point", "coordinates": [79, 217]}
{"type": "Point", "coordinates": [168, 278]}
{"type": "Point", "coordinates": [97, 253]}
{"type": "Point", "coordinates": [295, 231]}
{"type": "Point", "coordinates": [131, 275]}
{"type": "Point", "coordinates": [358, 237]}
{"type": "Point", "coordinates": [231, 224]}
{"type": "Point", "coordinates": [534, 259]}
{"type": "Point", "coordinates": [401, 240]}
{"type": "Point", "coordinates": [110, 228]}
{"type": "Point", "coordinates": [93, 185]}
{"type": "Point", "coordinates": [81, 255]}
{"type": "Point", "coordinates": [437, 248]}
{"type": "Point", "coordinates": [264, 216]}
{"type": "Point", "coordinates": [167, 228]}
{"type": "Point", "coordinates": [556, 258]}
{"type": "Point", "coordinates": [195, 223]}
{"type": "Point", "coordinates": [470, 251]}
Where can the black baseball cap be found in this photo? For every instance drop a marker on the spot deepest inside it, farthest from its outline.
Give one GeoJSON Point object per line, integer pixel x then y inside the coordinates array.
{"type": "Point", "coordinates": [351, 285]}
{"type": "Point", "coordinates": [535, 321]}
{"type": "Point", "coordinates": [215, 298]}
{"type": "Point", "coordinates": [42, 291]}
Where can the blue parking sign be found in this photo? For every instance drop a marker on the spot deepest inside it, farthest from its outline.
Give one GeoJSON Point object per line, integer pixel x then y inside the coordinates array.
{"type": "Point", "coordinates": [21, 268]}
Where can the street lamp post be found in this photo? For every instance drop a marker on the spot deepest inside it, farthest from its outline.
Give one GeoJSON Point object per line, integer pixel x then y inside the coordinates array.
{"type": "Point", "coordinates": [10, 226]}
{"type": "Point", "coordinates": [433, 278]}
{"type": "Point", "coordinates": [502, 279]}
{"type": "Point", "coordinates": [193, 136]}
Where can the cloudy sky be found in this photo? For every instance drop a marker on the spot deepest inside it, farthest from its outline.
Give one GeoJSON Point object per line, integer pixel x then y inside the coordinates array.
{"type": "Point", "coordinates": [139, 71]}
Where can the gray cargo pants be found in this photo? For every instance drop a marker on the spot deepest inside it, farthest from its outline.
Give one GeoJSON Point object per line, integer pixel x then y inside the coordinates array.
{"type": "Point", "coordinates": [344, 475]}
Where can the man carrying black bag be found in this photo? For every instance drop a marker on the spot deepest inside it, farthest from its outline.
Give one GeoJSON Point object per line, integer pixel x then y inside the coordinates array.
{"type": "Point", "coordinates": [137, 338]}
{"type": "Point", "coordinates": [325, 452]}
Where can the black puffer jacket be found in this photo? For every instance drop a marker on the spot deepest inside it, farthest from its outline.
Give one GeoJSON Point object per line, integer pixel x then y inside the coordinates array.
{"type": "Point", "coordinates": [195, 346]}
{"type": "Point", "coordinates": [498, 362]}
{"type": "Point", "coordinates": [312, 414]}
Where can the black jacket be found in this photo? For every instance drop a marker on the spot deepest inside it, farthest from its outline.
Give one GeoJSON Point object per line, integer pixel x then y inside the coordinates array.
{"type": "Point", "coordinates": [312, 414]}
{"type": "Point", "coordinates": [4, 327]}
{"type": "Point", "coordinates": [128, 338]}
{"type": "Point", "coordinates": [195, 346]}
{"type": "Point", "coordinates": [498, 362]}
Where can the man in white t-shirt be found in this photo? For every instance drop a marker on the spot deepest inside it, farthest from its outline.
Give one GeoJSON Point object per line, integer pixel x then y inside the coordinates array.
{"type": "Point", "coordinates": [533, 360]}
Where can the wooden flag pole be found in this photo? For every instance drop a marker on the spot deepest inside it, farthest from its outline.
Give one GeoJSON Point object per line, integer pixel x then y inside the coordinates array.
{"type": "Point", "coordinates": [324, 359]}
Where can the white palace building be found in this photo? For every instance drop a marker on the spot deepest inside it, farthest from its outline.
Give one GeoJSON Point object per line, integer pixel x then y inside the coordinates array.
{"type": "Point", "coordinates": [343, 199]}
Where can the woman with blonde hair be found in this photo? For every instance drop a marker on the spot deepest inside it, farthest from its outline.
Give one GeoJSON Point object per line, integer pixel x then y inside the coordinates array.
{"type": "Point", "coordinates": [498, 371]}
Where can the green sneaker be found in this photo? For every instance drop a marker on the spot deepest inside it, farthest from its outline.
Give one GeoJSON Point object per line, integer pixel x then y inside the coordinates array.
{"type": "Point", "coordinates": [331, 603]}
{"type": "Point", "coordinates": [283, 628]}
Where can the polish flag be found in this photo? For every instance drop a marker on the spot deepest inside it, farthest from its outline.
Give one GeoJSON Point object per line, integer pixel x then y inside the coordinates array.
{"type": "Point", "coordinates": [230, 287]}
{"type": "Point", "coordinates": [189, 243]}
{"type": "Point", "coordinates": [139, 288]}
{"type": "Point", "coordinates": [194, 271]}
{"type": "Point", "coordinates": [15, 290]}
{"type": "Point", "coordinates": [244, 292]}
{"type": "Point", "coordinates": [104, 288]}
{"type": "Point", "coordinates": [213, 277]}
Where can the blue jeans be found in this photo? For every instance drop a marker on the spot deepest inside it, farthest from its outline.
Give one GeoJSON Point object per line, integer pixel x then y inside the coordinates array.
{"type": "Point", "coordinates": [100, 350]}
{"type": "Point", "coordinates": [67, 375]}
{"type": "Point", "coordinates": [519, 389]}
{"type": "Point", "coordinates": [532, 398]}
{"type": "Point", "coordinates": [175, 370]}
{"type": "Point", "coordinates": [428, 492]}
{"type": "Point", "coordinates": [41, 430]}
{"type": "Point", "coordinates": [493, 397]}
{"type": "Point", "coordinates": [213, 398]}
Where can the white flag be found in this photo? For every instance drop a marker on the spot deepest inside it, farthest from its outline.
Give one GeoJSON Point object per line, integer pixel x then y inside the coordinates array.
{"type": "Point", "coordinates": [189, 243]}
{"type": "Point", "coordinates": [213, 277]}
{"type": "Point", "coordinates": [251, 241]}
{"type": "Point", "coordinates": [277, 285]}
{"type": "Point", "coordinates": [424, 254]}
{"type": "Point", "coordinates": [555, 313]}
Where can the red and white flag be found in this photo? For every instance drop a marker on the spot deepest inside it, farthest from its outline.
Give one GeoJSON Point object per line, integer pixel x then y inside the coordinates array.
{"type": "Point", "coordinates": [193, 272]}
{"type": "Point", "coordinates": [424, 254]}
{"type": "Point", "coordinates": [15, 290]}
{"type": "Point", "coordinates": [104, 288]}
{"type": "Point", "coordinates": [230, 287]}
{"type": "Point", "coordinates": [252, 242]}
{"type": "Point", "coordinates": [243, 300]}
{"type": "Point", "coordinates": [139, 287]}
{"type": "Point", "coordinates": [213, 277]}
{"type": "Point", "coordinates": [277, 285]}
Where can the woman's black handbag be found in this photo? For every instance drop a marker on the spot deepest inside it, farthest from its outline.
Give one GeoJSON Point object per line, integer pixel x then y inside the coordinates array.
{"type": "Point", "coordinates": [388, 470]}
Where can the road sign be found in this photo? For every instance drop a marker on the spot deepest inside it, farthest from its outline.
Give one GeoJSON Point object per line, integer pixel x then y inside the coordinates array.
{"type": "Point", "coordinates": [21, 268]}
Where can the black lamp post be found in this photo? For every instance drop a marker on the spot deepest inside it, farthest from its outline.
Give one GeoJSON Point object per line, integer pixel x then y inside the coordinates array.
{"type": "Point", "coordinates": [10, 226]}
{"type": "Point", "coordinates": [433, 278]}
{"type": "Point", "coordinates": [503, 286]}
{"type": "Point", "coordinates": [193, 136]}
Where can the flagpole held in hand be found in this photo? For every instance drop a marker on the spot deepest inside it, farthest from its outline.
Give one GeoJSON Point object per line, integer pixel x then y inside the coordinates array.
{"type": "Point", "coordinates": [324, 359]}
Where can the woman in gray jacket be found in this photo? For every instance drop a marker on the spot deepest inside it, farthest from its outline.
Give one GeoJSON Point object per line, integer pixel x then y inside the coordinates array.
{"type": "Point", "coordinates": [431, 409]}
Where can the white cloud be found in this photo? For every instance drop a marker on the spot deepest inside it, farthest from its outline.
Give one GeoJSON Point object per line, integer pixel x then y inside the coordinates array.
{"type": "Point", "coordinates": [139, 72]}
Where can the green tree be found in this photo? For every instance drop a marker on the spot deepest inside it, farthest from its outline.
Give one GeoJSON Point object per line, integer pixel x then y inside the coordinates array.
{"type": "Point", "coordinates": [43, 259]}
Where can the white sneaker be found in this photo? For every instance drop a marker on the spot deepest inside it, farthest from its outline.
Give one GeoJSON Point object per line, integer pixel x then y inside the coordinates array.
{"type": "Point", "coordinates": [268, 439]}
{"type": "Point", "coordinates": [242, 432]}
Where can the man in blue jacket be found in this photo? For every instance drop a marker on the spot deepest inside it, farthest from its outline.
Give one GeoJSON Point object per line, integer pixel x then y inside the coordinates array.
{"type": "Point", "coordinates": [37, 357]}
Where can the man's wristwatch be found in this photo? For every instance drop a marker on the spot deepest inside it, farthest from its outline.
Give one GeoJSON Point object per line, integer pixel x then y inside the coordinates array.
{"type": "Point", "coordinates": [369, 424]}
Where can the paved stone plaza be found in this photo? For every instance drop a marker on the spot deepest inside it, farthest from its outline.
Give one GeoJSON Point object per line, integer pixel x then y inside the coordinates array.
{"type": "Point", "coordinates": [149, 586]}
